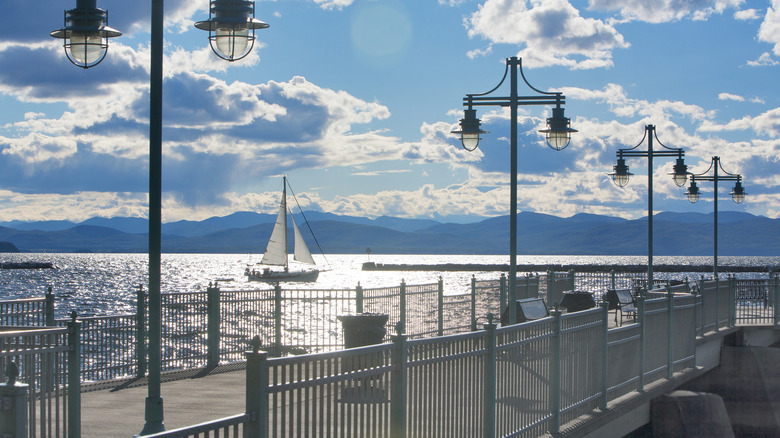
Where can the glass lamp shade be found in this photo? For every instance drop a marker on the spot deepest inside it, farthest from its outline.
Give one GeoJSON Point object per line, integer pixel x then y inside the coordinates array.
{"type": "Point", "coordinates": [693, 192]}
{"type": "Point", "coordinates": [558, 140]}
{"type": "Point", "coordinates": [469, 130]}
{"type": "Point", "coordinates": [680, 174]}
{"type": "Point", "coordinates": [231, 42]}
{"type": "Point", "coordinates": [738, 194]}
{"type": "Point", "coordinates": [621, 175]}
{"type": "Point", "coordinates": [85, 48]}
{"type": "Point", "coordinates": [558, 132]}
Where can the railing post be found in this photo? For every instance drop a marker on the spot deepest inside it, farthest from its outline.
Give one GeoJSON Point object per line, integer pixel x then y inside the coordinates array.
{"type": "Point", "coordinates": [441, 307]}
{"type": "Point", "coordinates": [732, 300]}
{"type": "Point", "coordinates": [402, 305]}
{"type": "Point", "coordinates": [256, 391]}
{"type": "Point", "coordinates": [398, 378]}
{"type": "Point", "coordinates": [490, 379]}
{"type": "Point", "coordinates": [213, 323]}
{"type": "Point", "coordinates": [13, 415]}
{"type": "Point", "coordinates": [717, 304]}
{"type": "Point", "coordinates": [555, 373]}
{"type": "Point", "coordinates": [670, 307]}
{"type": "Point", "coordinates": [49, 308]}
{"type": "Point", "coordinates": [140, 332]}
{"type": "Point", "coordinates": [605, 366]}
{"type": "Point", "coordinates": [703, 306]}
{"type": "Point", "coordinates": [74, 376]}
{"type": "Point", "coordinates": [572, 281]}
{"type": "Point", "coordinates": [502, 293]}
{"type": "Point", "coordinates": [776, 298]}
{"type": "Point", "coordinates": [640, 306]}
{"type": "Point", "coordinates": [358, 298]}
{"type": "Point", "coordinates": [613, 279]}
{"type": "Point", "coordinates": [473, 304]}
{"type": "Point", "coordinates": [697, 308]}
{"type": "Point", "coordinates": [276, 350]}
{"type": "Point", "coordinates": [551, 289]}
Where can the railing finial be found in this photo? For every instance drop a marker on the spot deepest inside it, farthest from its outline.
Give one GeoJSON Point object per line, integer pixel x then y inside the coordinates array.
{"type": "Point", "coordinates": [255, 343]}
{"type": "Point", "coordinates": [11, 373]}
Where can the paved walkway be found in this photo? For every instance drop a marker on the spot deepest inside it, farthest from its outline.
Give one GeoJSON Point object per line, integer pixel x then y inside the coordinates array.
{"type": "Point", "coordinates": [117, 410]}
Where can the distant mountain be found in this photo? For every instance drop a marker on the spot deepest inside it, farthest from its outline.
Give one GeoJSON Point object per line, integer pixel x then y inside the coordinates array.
{"type": "Point", "coordinates": [674, 234]}
{"type": "Point", "coordinates": [8, 247]}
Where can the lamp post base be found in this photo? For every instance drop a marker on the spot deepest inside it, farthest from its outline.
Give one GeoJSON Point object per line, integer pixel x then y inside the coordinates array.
{"type": "Point", "coordinates": [154, 417]}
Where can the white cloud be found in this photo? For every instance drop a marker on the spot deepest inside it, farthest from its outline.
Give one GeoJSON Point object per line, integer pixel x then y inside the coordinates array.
{"type": "Point", "coordinates": [747, 14]}
{"type": "Point", "coordinates": [767, 123]}
{"type": "Point", "coordinates": [553, 31]}
{"type": "Point", "coordinates": [36, 147]}
{"type": "Point", "coordinates": [333, 4]}
{"type": "Point", "coordinates": [764, 60]}
{"type": "Point", "coordinates": [76, 207]}
{"type": "Point", "coordinates": [729, 96]}
{"type": "Point", "coordinates": [661, 11]}
{"type": "Point", "coordinates": [770, 28]}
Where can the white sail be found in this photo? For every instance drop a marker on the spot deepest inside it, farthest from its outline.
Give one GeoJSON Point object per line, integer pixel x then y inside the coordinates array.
{"type": "Point", "coordinates": [302, 253]}
{"type": "Point", "coordinates": [276, 251]}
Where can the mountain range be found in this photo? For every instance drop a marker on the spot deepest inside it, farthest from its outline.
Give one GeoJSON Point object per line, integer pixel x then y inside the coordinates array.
{"type": "Point", "coordinates": [245, 232]}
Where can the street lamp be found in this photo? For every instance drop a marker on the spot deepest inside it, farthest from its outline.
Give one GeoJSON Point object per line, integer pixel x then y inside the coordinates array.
{"type": "Point", "coordinates": [229, 26]}
{"type": "Point", "coordinates": [85, 34]}
{"type": "Point", "coordinates": [621, 175]}
{"type": "Point", "coordinates": [232, 11]}
{"type": "Point", "coordinates": [737, 194]}
{"type": "Point", "coordinates": [557, 134]}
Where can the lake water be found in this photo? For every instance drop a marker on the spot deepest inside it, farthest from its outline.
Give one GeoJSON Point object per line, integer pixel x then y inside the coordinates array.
{"type": "Point", "coordinates": [100, 284]}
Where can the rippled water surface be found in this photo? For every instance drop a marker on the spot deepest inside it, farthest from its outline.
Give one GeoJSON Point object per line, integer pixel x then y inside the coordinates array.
{"type": "Point", "coordinates": [99, 284]}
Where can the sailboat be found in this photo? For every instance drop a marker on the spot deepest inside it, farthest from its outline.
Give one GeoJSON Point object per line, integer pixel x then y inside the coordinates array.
{"type": "Point", "coordinates": [276, 253]}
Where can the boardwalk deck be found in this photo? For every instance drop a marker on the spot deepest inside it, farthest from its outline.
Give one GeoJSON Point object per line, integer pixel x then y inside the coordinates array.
{"type": "Point", "coordinates": [118, 410]}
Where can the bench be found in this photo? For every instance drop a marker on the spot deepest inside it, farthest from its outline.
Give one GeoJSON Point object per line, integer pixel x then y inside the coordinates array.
{"type": "Point", "coordinates": [528, 309]}
{"type": "Point", "coordinates": [621, 300]}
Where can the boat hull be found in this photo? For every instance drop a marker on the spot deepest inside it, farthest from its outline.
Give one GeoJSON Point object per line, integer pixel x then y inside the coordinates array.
{"type": "Point", "coordinates": [302, 276]}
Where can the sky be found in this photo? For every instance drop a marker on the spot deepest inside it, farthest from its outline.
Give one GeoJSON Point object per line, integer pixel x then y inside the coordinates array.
{"type": "Point", "coordinates": [354, 100]}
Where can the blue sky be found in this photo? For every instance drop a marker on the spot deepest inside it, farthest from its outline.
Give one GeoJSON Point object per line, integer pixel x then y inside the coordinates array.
{"type": "Point", "coordinates": [354, 100]}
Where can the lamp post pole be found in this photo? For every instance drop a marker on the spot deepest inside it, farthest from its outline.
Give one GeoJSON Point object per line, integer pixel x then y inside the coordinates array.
{"type": "Point", "coordinates": [153, 413]}
{"type": "Point", "coordinates": [231, 26]}
{"type": "Point", "coordinates": [558, 135]}
{"type": "Point", "coordinates": [621, 176]}
{"type": "Point", "coordinates": [737, 194]}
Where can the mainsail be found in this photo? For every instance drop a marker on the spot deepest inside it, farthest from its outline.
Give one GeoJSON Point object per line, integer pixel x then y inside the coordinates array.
{"type": "Point", "coordinates": [276, 251]}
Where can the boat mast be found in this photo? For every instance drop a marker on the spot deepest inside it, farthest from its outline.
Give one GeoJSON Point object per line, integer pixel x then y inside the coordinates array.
{"type": "Point", "coordinates": [284, 200]}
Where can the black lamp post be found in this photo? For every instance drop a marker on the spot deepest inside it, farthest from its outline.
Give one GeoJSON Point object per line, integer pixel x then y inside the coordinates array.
{"type": "Point", "coordinates": [621, 175]}
{"type": "Point", "coordinates": [737, 194]}
{"type": "Point", "coordinates": [229, 39]}
{"type": "Point", "coordinates": [558, 134]}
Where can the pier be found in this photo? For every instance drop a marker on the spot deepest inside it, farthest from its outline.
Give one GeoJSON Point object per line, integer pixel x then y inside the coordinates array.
{"type": "Point", "coordinates": [487, 267]}
{"type": "Point", "coordinates": [583, 373]}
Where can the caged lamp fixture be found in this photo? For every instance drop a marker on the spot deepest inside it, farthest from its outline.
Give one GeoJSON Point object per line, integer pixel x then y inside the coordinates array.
{"type": "Point", "coordinates": [85, 34]}
{"type": "Point", "coordinates": [231, 27]}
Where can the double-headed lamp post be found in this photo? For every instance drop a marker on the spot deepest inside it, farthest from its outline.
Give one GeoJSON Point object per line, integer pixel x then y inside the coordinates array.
{"type": "Point", "coordinates": [558, 134]}
{"type": "Point", "coordinates": [737, 194]}
{"type": "Point", "coordinates": [621, 176]}
{"type": "Point", "coordinates": [86, 42]}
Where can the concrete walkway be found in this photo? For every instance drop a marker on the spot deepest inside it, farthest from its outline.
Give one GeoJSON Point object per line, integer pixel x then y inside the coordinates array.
{"type": "Point", "coordinates": [117, 409]}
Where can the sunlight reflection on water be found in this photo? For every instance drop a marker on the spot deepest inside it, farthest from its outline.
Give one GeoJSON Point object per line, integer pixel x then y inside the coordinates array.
{"type": "Point", "coordinates": [100, 284]}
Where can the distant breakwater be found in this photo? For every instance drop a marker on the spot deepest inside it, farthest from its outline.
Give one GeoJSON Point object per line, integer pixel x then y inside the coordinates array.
{"type": "Point", "coordinates": [452, 267]}
{"type": "Point", "coordinates": [26, 265]}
